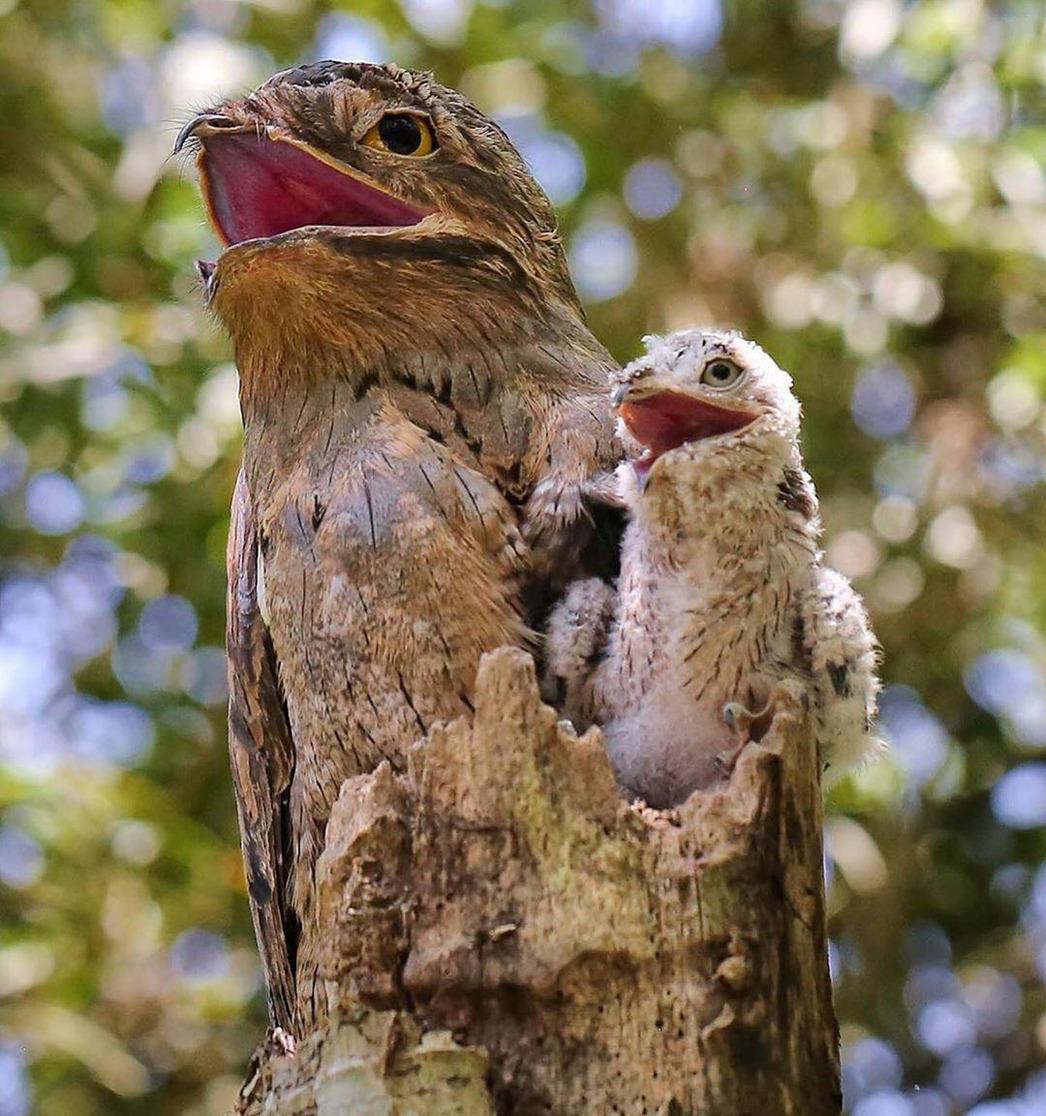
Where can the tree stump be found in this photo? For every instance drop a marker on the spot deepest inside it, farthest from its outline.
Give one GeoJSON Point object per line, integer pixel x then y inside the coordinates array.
{"type": "Point", "coordinates": [505, 934]}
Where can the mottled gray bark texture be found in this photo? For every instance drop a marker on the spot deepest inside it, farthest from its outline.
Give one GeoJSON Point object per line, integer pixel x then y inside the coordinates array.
{"type": "Point", "coordinates": [505, 935]}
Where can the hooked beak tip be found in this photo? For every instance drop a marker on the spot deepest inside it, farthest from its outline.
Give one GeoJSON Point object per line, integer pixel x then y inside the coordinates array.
{"type": "Point", "coordinates": [187, 130]}
{"type": "Point", "coordinates": [618, 395]}
{"type": "Point", "coordinates": [203, 119]}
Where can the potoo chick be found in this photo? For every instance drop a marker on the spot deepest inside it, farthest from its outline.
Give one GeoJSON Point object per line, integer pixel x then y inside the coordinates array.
{"type": "Point", "coordinates": [723, 598]}
{"type": "Point", "coordinates": [422, 404]}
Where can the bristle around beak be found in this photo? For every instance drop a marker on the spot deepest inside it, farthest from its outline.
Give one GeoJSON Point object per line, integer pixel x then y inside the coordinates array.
{"type": "Point", "coordinates": [205, 269]}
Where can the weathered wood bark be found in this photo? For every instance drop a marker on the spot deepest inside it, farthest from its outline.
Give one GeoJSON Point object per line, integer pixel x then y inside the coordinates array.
{"type": "Point", "coordinates": [506, 935]}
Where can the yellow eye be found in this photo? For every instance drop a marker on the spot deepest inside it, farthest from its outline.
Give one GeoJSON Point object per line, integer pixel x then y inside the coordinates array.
{"type": "Point", "coordinates": [721, 373]}
{"type": "Point", "coordinates": [402, 133]}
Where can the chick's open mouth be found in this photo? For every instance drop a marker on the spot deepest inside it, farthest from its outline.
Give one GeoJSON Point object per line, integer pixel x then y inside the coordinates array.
{"type": "Point", "coordinates": [260, 186]}
{"type": "Point", "coordinates": [666, 420]}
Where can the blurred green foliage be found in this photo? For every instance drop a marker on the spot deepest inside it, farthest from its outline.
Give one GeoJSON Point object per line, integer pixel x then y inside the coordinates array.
{"type": "Point", "coordinates": [859, 186]}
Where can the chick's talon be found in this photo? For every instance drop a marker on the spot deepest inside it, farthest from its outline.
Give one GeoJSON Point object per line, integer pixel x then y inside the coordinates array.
{"type": "Point", "coordinates": [736, 716]}
{"type": "Point", "coordinates": [748, 726]}
{"type": "Point", "coordinates": [744, 724]}
{"type": "Point", "coordinates": [283, 1042]}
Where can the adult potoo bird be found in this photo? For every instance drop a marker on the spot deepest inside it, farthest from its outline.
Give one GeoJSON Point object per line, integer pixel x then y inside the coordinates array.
{"type": "Point", "coordinates": [723, 598]}
{"type": "Point", "coordinates": [422, 405]}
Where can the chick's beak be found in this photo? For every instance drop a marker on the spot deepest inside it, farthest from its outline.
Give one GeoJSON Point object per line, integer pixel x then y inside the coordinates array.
{"type": "Point", "coordinates": [619, 394]}
{"type": "Point", "coordinates": [662, 417]}
{"type": "Point", "coordinates": [640, 383]}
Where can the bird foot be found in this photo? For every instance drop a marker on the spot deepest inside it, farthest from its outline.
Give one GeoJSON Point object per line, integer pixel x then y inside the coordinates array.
{"type": "Point", "coordinates": [745, 725]}
{"type": "Point", "coordinates": [605, 488]}
{"type": "Point", "coordinates": [748, 726]}
{"type": "Point", "coordinates": [281, 1042]}
{"type": "Point", "coordinates": [278, 1044]}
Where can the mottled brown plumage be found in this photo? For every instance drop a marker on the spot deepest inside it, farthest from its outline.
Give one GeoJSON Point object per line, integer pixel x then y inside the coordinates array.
{"type": "Point", "coordinates": [422, 405]}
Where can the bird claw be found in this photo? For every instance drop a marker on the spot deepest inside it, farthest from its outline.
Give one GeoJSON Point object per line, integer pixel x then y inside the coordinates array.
{"type": "Point", "coordinates": [739, 720]}
{"type": "Point", "coordinates": [748, 726]}
{"type": "Point", "coordinates": [727, 759]}
{"type": "Point", "coordinates": [604, 488]}
{"type": "Point", "coordinates": [282, 1042]}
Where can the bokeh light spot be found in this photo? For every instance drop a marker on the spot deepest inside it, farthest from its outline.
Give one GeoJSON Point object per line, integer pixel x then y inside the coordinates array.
{"type": "Point", "coordinates": [883, 401]}
{"type": "Point", "coordinates": [1019, 797]}
{"type": "Point", "coordinates": [21, 858]}
{"type": "Point", "coordinates": [54, 504]}
{"type": "Point", "coordinates": [350, 38]}
{"type": "Point", "coordinates": [691, 27]}
{"type": "Point", "coordinates": [199, 956]}
{"type": "Point", "coordinates": [557, 163]}
{"type": "Point", "coordinates": [168, 622]}
{"type": "Point", "coordinates": [652, 189]}
{"type": "Point", "coordinates": [603, 258]}
{"type": "Point", "coordinates": [917, 737]}
{"type": "Point", "coordinates": [954, 539]}
{"type": "Point", "coordinates": [15, 1087]}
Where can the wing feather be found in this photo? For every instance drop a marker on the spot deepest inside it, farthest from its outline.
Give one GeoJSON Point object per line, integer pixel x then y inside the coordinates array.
{"type": "Point", "coordinates": [843, 656]}
{"type": "Point", "coordinates": [261, 754]}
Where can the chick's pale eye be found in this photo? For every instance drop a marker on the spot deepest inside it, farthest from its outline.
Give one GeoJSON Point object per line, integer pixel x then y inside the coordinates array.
{"type": "Point", "coordinates": [721, 373]}
{"type": "Point", "coordinates": [400, 133]}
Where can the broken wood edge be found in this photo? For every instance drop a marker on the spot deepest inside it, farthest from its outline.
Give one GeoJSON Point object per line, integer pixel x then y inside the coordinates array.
{"type": "Point", "coordinates": [398, 964]}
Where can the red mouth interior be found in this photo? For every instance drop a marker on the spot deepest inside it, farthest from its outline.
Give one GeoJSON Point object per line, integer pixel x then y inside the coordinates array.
{"type": "Point", "coordinates": [259, 187]}
{"type": "Point", "coordinates": [668, 419]}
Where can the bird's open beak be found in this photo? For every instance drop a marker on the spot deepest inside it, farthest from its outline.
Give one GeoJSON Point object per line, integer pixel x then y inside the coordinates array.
{"type": "Point", "coordinates": [261, 181]}
{"type": "Point", "coordinates": [663, 419]}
